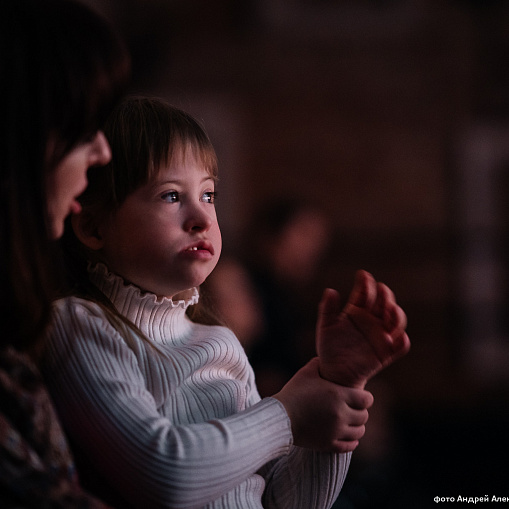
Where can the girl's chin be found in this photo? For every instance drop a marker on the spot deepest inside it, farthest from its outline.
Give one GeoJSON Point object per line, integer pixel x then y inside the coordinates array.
{"type": "Point", "coordinates": [184, 295]}
{"type": "Point", "coordinates": [175, 290]}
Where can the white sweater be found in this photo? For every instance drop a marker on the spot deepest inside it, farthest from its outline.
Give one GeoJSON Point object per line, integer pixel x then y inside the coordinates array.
{"type": "Point", "coordinates": [176, 421]}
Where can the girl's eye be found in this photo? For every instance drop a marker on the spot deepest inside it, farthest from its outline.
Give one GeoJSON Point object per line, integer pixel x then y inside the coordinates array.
{"type": "Point", "coordinates": [170, 197]}
{"type": "Point", "coordinates": [209, 197]}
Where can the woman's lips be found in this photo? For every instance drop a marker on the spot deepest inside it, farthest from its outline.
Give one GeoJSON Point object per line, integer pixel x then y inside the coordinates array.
{"type": "Point", "coordinates": [75, 207]}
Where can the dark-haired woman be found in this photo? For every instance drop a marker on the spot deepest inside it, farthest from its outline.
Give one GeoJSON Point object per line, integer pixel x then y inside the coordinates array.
{"type": "Point", "coordinates": [62, 69]}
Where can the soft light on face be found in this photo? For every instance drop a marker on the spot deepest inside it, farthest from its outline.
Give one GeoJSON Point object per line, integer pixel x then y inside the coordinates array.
{"type": "Point", "coordinates": [69, 179]}
{"type": "Point", "coordinates": [165, 237]}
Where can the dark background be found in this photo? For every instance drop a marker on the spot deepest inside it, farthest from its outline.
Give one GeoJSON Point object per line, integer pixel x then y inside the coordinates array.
{"type": "Point", "coordinates": [393, 116]}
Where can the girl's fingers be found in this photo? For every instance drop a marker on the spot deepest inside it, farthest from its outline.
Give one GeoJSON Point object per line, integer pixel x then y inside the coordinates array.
{"type": "Point", "coordinates": [358, 418]}
{"type": "Point", "coordinates": [401, 345]}
{"type": "Point", "coordinates": [395, 319]}
{"type": "Point", "coordinates": [364, 290]}
{"type": "Point", "coordinates": [329, 308]}
{"type": "Point", "coordinates": [353, 433]}
{"type": "Point", "coordinates": [342, 446]}
{"type": "Point", "coordinates": [380, 304]}
{"type": "Point", "coordinates": [358, 399]}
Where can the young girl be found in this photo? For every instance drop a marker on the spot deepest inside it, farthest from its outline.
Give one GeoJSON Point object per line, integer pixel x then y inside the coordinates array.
{"type": "Point", "coordinates": [62, 69]}
{"type": "Point", "coordinates": [164, 410]}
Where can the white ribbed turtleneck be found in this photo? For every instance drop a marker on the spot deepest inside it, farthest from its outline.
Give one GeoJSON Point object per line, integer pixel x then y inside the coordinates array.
{"type": "Point", "coordinates": [173, 419]}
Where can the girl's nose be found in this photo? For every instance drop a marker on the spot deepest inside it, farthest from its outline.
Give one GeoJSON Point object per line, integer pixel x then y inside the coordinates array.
{"type": "Point", "coordinates": [101, 151]}
{"type": "Point", "coordinates": [197, 218]}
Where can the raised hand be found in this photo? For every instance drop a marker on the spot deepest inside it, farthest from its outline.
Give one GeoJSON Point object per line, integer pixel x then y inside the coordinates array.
{"type": "Point", "coordinates": [367, 335]}
{"type": "Point", "coordinates": [324, 416]}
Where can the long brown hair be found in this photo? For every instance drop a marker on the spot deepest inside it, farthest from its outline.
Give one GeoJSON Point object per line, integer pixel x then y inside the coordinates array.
{"type": "Point", "coordinates": [62, 69]}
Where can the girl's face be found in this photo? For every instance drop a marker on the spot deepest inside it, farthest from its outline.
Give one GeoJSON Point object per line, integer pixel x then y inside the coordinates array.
{"type": "Point", "coordinates": [165, 236]}
{"type": "Point", "coordinates": [69, 179]}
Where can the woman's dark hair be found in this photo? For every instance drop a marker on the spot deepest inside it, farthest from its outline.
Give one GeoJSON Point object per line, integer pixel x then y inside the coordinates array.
{"type": "Point", "coordinates": [62, 69]}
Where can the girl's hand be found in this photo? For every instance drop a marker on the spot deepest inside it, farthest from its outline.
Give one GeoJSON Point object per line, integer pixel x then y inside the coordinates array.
{"type": "Point", "coordinates": [324, 415]}
{"type": "Point", "coordinates": [368, 335]}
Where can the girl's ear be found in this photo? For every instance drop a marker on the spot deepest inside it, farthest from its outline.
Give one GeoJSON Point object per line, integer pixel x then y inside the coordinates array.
{"type": "Point", "coordinates": [86, 230]}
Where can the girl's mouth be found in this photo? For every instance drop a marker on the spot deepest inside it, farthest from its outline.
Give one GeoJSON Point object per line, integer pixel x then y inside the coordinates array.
{"type": "Point", "coordinates": [201, 250]}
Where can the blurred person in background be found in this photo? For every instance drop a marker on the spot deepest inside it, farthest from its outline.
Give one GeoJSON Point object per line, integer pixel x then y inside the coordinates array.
{"type": "Point", "coordinates": [282, 254]}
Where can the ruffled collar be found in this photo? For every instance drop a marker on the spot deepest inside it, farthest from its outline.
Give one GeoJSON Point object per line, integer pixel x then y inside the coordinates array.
{"type": "Point", "coordinates": [160, 318]}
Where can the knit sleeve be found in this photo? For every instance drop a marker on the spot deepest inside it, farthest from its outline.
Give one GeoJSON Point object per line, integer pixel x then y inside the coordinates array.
{"type": "Point", "coordinates": [304, 479]}
{"type": "Point", "coordinates": [105, 406]}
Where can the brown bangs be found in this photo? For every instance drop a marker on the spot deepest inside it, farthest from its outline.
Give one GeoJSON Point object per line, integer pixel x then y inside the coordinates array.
{"type": "Point", "coordinates": [147, 133]}
{"type": "Point", "coordinates": [201, 150]}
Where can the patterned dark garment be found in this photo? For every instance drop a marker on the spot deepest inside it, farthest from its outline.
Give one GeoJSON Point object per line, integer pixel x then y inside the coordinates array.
{"type": "Point", "coordinates": [36, 466]}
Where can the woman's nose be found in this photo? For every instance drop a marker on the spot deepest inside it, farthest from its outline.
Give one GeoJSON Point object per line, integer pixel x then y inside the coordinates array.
{"type": "Point", "coordinates": [101, 153]}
